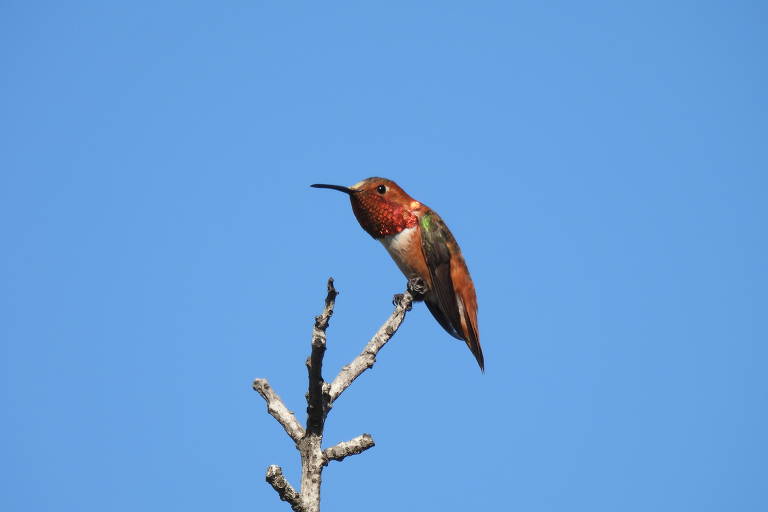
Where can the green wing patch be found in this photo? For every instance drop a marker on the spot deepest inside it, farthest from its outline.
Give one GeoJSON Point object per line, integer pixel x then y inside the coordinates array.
{"type": "Point", "coordinates": [426, 221]}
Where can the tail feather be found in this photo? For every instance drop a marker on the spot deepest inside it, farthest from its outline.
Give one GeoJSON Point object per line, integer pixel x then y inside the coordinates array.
{"type": "Point", "coordinates": [471, 336]}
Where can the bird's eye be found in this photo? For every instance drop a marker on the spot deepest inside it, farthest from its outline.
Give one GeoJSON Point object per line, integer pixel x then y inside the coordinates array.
{"type": "Point", "coordinates": [381, 189]}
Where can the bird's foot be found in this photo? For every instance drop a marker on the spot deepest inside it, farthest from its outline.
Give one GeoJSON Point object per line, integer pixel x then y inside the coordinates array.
{"type": "Point", "coordinates": [397, 300]}
{"type": "Point", "coordinates": [417, 288]}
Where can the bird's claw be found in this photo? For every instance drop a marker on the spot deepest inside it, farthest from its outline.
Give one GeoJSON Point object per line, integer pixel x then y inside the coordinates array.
{"type": "Point", "coordinates": [417, 288]}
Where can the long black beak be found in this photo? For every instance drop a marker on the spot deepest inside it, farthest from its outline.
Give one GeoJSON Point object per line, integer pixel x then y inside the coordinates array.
{"type": "Point", "coordinates": [346, 190]}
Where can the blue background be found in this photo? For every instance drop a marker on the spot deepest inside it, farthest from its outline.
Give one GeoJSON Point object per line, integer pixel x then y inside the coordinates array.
{"type": "Point", "coordinates": [603, 167]}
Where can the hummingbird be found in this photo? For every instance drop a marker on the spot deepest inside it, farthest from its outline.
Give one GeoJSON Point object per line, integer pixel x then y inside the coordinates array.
{"type": "Point", "coordinates": [423, 247]}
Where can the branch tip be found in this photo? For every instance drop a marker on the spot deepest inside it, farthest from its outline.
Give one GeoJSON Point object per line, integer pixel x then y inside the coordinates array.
{"type": "Point", "coordinates": [278, 410]}
{"type": "Point", "coordinates": [351, 447]}
{"type": "Point", "coordinates": [367, 357]}
{"type": "Point", "coordinates": [279, 483]}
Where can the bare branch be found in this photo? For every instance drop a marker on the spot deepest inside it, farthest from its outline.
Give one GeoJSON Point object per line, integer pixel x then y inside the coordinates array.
{"type": "Point", "coordinates": [287, 493]}
{"type": "Point", "coordinates": [320, 397]}
{"type": "Point", "coordinates": [321, 322]}
{"type": "Point", "coordinates": [317, 397]}
{"type": "Point", "coordinates": [278, 410]}
{"type": "Point", "coordinates": [367, 357]}
{"type": "Point", "coordinates": [351, 447]}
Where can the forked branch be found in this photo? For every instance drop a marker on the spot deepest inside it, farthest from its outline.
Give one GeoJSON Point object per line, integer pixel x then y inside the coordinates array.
{"type": "Point", "coordinates": [320, 398]}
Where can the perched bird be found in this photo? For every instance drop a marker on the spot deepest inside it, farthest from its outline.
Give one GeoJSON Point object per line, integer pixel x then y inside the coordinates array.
{"type": "Point", "coordinates": [422, 246]}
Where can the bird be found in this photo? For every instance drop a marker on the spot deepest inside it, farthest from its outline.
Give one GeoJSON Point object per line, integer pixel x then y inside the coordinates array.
{"type": "Point", "coordinates": [423, 247]}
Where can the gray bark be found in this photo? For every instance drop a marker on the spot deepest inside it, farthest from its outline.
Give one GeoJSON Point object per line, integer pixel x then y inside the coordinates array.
{"type": "Point", "coordinates": [320, 398]}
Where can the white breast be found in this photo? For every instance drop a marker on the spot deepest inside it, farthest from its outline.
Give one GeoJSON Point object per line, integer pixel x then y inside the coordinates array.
{"type": "Point", "coordinates": [397, 246]}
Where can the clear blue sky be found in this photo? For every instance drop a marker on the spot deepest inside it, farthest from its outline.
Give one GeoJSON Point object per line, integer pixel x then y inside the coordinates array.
{"type": "Point", "coordinates": [604, 167]}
